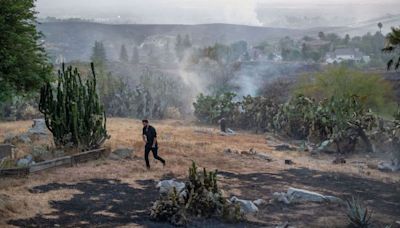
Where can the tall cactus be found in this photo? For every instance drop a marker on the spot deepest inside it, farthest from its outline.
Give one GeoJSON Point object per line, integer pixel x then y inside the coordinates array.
{"type": "Point", "coordinates": [72, 110]}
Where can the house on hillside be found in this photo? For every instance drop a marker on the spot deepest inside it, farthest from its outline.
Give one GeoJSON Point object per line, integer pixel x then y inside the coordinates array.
{"type": "Point", "coordinates": [346, 54]}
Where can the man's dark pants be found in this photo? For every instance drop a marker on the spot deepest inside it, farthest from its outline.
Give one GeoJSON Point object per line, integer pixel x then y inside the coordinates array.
{"type": "Point", "coordinates": [147, 150]}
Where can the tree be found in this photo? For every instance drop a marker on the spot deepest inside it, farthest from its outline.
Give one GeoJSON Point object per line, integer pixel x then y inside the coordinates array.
{"type": "Point", "coordinates": [135, 56]}
{"type": "Point", "coordinates": [98, 54]}
{"type": "Point", "coordinates": [24, 66]}
{"type": "Point", "coordinates": [186, 42]}
{"type": "Point", "coordinates": [380, 25]}
{"type": "Point", "coordinates": [321, 35]}
{"type": "Point", "coordinates": [346, 39]}
{"type": "Point", "coordinates": [393, 45]}
{"type": "Point", "coordinates": [123, 55]}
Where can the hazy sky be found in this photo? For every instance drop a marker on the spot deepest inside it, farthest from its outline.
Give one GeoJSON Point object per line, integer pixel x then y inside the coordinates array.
{"type": "Point", "coordinates": [210, 11]}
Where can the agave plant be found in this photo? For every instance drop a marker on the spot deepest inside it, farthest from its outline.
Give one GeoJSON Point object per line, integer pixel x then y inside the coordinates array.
{"type": "Point", "coordinates": [358, 215]}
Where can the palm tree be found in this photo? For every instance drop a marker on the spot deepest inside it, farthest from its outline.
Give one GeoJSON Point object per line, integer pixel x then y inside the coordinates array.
{"type": "Point", "coordinates": [380, 25]}
{"type": "Point", "coordinates": [393, 45]}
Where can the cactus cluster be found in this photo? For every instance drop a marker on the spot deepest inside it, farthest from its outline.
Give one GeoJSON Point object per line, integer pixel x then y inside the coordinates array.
{"type": "Point", "coordinates": [72, 110]}
{"type": "Point", "coordinates": [201, 197]}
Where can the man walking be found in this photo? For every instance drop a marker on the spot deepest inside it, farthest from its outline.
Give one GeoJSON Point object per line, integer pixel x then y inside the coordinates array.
{"type": "Point", "coordinates": [150, 140]}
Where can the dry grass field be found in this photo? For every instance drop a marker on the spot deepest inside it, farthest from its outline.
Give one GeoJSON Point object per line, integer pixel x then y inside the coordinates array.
{"type": "Point", "coordinates": [106, 193]}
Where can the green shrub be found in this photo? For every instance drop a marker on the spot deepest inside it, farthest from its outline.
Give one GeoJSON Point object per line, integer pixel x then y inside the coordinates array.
{"type": "Point", "coordinates": [374, 92]}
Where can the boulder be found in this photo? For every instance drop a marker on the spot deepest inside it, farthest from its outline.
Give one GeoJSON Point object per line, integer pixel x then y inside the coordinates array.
{"type": "Point", "coordinates": [296, 195]}
{"type": "Point", "coordinates": [246, 206]}
{"type": "Point", "coordinates": [391, 166]}
{"type": "Point", "coordinates": [38, 127]}
{"type": "Point", "coordinates": [26, 161]}
{"type": "Point", "coordinates": [165, 186]}
{"type": "Point", "coordinates": [122, 153]}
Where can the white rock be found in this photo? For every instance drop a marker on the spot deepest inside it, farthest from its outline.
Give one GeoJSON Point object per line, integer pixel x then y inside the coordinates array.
{"type": "Point", "coordinates": [166, 186]}
{"type": "Point", "coordinates": [38, 127]}
{"type": "Point", "coordinates": [392, 166]}
{"type": "Point", "coordinates": [300, 195]}
{"type": "Point", "coordinates": [295, 195]}
{"type": "Point", "coordinates": [246, 206]}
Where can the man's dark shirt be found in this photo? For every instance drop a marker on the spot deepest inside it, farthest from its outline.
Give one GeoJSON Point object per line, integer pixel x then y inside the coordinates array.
{"type": "Point", "coordinates": [150, 133]}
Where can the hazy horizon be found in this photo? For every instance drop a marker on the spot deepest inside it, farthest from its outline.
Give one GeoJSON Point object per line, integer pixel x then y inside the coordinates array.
{"type": "Point", "coordinates": [286, 13]}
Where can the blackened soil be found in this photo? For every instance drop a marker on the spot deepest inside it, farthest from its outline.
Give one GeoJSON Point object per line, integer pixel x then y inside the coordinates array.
{"type": "Point", "coordinates": [111, 203]}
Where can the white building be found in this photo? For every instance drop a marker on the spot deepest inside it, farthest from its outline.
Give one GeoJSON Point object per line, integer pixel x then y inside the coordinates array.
{"type": "Point", "coordinates": [346, 54]}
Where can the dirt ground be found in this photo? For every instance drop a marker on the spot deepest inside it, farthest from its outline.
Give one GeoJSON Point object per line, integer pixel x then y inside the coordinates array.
{"type": "Point", "coordinates": [107, 193]}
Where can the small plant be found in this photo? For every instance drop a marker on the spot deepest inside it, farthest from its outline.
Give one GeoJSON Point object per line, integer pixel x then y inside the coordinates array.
{"type": "Point", "coordinates": [359, 217]}
{"type": "Point", "coordinates": [201, 197]}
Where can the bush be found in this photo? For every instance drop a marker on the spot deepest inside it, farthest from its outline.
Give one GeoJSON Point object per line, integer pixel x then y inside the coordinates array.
{"type": "Point", "coordinates": [208, 109]}
{"type": "Point", "coordinates": [339, 120]}
{"type": "Point", "coordinates": [374, 92]}
{"type": "Point", "coordinates": [201, 197]}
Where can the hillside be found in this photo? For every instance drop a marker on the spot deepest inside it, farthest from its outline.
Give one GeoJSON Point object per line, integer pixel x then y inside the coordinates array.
{"type": "Point", "coordinates": [75, 39]}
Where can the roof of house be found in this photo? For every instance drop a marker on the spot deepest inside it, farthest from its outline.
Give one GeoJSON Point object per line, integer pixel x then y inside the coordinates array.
{"type": "Point", "coordinates": [345, 51]}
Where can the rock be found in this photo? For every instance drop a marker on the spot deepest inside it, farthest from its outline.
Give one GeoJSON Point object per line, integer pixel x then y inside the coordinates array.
{"type": "Point", "coordinates": [166, 186]}
{"type": "Point", "coordinates": [339, 160]}
{"type": "Point", "coordinates": [295, 195]}
{"type": "Point", "coordinates": [246, 206]}
{"type": "Point", "coordinates": [288, 162]}
{"type": "Point", "coordinates": [391, 166]}
{"type": "Point", "coordinates": [259, 202]}
{"type": "Point", "coordinates": [23, 162]}
{"type": "Point", "coordinates": [264, 157]}
{"type": "Point", "coordinates": [229, 132]}
{"type": "Point", "coordinates": [283, 147]}
{"type": "Point", "coordinates": [122, 153]}
{"type": "Point", "coordinates": [228, 151]}
{"type": "Point", "coordinates": [38, 127]}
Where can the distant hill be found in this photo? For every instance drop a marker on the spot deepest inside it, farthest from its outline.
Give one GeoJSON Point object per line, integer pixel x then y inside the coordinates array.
{"type": "Point", "coordinates": [74, 39]}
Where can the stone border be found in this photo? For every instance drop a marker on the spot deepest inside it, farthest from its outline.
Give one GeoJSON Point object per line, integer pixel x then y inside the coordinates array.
{"type": "Point", "coordinates": [62, 161]}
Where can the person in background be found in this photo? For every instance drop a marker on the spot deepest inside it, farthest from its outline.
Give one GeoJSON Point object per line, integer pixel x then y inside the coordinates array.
{"type": "Point", "coordinates": [150, 140]}
{"type": "Point", "coordinates": [222, 123]}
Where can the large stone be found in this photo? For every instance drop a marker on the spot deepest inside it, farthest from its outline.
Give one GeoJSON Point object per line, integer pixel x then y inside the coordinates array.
{"type": "Point", "coordinates": [246, 206]}
{"type": "Point", "coordinates": [296, 195]}
{"type": "Point", "coordinates": [38, 127]}
{"type": "Point", "coordinates": [122, 153]}
{"type": "Point", "coordinates": [165, 186]}
{"type": "Point", "coordinates": [26, 161]}
{"type": "Point", "coordinates": [391, 166]}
